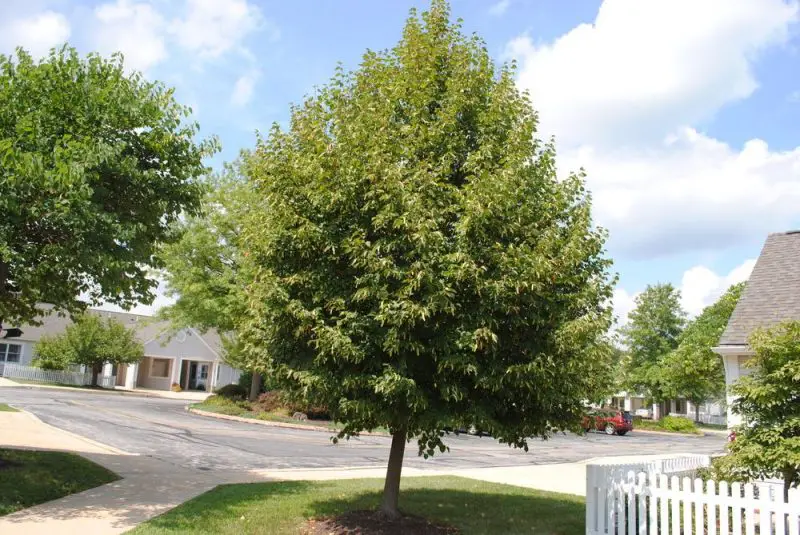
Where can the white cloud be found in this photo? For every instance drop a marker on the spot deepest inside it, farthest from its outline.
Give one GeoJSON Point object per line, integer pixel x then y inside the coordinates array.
{"type": "Point", "coordinates": [243, 89]}
{"type": "Point", "coordinates": [623, 95]}
{"type": "Point", "coordinates": [133, 28]}
{"type": "Point", "coordinates": [36, 33]}
{"type": "Point", "coordinates": [214, 27]}
{"type": "Point", "coordinates": [499, 9]}
{"type": "Point", "coordinates": [644, 69]}
{"type": "Point", "coordinates": [623, 304]}
{"type": "Point", "coordinates": [701, 287]}
{"type": "Point", "coordinates": [689, 193]}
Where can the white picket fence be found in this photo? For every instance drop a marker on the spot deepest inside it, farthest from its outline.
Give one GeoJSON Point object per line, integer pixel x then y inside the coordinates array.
{"type": "Point", "coordinates": [30, 373]}
{"type": "Point", "coordinates": [619, 503]}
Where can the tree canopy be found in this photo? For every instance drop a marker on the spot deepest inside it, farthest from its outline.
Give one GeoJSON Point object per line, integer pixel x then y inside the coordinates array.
{"type": "Point", "coordinates": [417, 263]}
{"type": "Point", "coordinates": [693, 370]}
{"type": "Point", "coordinates": [91, 341]}
{"type": "Point", "coordinates": [653, 330]}
{"type": "Point", "coordinates": [768, 399]}
{"type": "Point", "coordinates": [95, 166]}
{"type": "Point", "coordinates": [203, 269]}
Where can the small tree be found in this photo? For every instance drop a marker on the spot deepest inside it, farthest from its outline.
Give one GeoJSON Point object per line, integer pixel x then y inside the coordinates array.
{"type": "Point", "coordinates": [91, 341]}
{"type": "Point", "coordinates": [95, 165]}
{"type": "Point", "coordinates": [203, 269]}
{"type": "Point", "coordinates": [693, 370]}
{"type": "Point", "coordinates": [768, 399]}
{"type": "Point", "coordinates": [418, 263]}
{"type": "Point", "coordinates": [653, 330]}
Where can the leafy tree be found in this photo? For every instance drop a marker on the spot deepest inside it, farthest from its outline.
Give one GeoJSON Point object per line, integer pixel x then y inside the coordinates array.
{"type": "Point", "coordinates": [203, 269]}
{"type": "Point", "coordinates": [653, 330]}
{"type": "Point", "coordinates": [95, 165]}
{"type": "Point", "coordinates": [90, 341]}
{"type": "Point", "coordinates": [417, 262]}
{"type": "Point", "coordinates": [693, 370]}
{"type": "Point", "coordinates": [768, 399]}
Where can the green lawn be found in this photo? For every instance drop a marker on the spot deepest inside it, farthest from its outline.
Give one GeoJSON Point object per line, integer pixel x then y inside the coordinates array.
{"type": "Point", "coordinates": [283, 507]}
{"type": "Point", "coordinates": [33, 382]}
{"type": "Point", "coordinates": [7, 408]}
{"type": "Point", "coordinates": [31, 477]}
{"type": "Point", "coordinates": [687, 427]}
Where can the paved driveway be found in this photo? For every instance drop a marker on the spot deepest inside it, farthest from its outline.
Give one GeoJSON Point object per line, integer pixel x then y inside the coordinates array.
{"type": "Point", "coordinates": [162, 429]}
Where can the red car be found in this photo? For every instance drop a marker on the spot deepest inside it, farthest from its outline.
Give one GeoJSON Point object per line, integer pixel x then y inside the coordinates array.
{"type": "Point", "coordinates": [612, 421]}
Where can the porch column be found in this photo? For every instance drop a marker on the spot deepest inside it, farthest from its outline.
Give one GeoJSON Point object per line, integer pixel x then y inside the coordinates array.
{"type": "Point", "coordinates": [211, 384]}
{"type": "Point", "coordinates": [656, 411]}
{"type": "Point", "coordinates": [732, 374]}
{"type": "Point", "coordinates": [131, 376]}
{"type": "Point", "coordinates": [175, 376]}
{"type": "Point", "coordinates": [627, 403]}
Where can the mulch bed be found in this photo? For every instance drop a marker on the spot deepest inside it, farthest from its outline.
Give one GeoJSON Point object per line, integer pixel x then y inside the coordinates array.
{"type": "Point", "coordinates": [373, 523]}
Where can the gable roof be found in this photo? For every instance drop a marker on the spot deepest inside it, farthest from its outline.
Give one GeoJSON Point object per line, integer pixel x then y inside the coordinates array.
{"type": "Point", "coordinates": [772, 293]}
{"type": "Point", "coordinates": [147, 328]}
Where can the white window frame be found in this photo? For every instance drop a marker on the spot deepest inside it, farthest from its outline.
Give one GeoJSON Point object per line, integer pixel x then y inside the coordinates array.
{"type": "Point", "coordinates": [5, 351]}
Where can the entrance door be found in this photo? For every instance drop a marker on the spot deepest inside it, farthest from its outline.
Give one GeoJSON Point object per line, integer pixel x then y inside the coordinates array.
{"type": "Point", "coordinates": [193, 376]}
{"type": "Point", "coordinates": [202, 376]}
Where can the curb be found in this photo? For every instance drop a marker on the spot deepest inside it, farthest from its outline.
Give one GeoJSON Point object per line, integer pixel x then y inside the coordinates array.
{"type": "Point", "coordinates": [668, 433]}
{"type": "Point", "coordinates": [100, 391]}
{"type": "Point", "coordinates": [110, 449]}
{"type": "Point", "coordinates": [268, 423]}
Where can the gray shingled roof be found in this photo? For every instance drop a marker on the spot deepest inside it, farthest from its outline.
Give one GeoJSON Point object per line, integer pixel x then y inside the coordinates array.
{"type": "Point", "coordinates": [147, 327]}
{"type": "Point", "coordinates": [772, 294]}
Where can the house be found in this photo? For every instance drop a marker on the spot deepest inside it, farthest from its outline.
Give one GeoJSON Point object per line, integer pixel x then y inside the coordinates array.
{"type": "Point", "coordinates": [710, 413]}
{"type": "Point", "coordinates": [772, 295]}
{"type": "Point", "coordinates": [186, 357]}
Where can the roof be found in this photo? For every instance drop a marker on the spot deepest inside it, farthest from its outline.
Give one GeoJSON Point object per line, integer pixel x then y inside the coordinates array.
{"type": "Point", "coordinates": [147, 328]}
{"type": "Point", "coordinates": [772, 293]}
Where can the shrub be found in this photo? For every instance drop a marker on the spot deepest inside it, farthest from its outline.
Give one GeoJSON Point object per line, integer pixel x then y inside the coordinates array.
{"type": "Point", "coordinates": [224, 405]}
{"type": "Point", "coordinates": [678, 424]}
{"type": "Point", "coordinates": [270, 401]}
{"type": "Point", "coordinates": [233, 392]}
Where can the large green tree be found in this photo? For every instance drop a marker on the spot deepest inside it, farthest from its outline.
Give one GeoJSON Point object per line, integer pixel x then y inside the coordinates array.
{"type": "Point", "coordinates": [768, 399]}
{"type": "Point", "coordinates": [693, 370]}
{"type": "Point", "coordinates": [91, 341]}
{"type": "Point", "coordinates": [203, 269]}
{"type": "Point", "coordinates": [653, 330]}
{"type": "Point", "coordinates": [417, 262]}
{"type": "Point", "coordinates": [95, 165]}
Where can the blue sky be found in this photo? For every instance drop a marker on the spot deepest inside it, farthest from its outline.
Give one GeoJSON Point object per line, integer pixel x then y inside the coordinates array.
{"type": "Point", "coordinates": [684, 113]}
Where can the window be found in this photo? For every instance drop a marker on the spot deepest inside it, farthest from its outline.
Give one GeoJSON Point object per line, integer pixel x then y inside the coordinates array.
{"type": "Point", "coordinates": [10, 352]}
{"type": "Point", "coordinates": [159, 368]}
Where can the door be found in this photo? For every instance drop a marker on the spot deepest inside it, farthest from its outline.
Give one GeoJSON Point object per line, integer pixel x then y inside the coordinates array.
{"type": "Point", "coordinates": [202, 376]}
{"type": "Point", "coordinates": [193, 376]}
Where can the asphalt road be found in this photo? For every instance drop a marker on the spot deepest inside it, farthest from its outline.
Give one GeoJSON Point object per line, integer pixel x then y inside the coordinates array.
{"type": "Point", "coordinates": [162, 428]}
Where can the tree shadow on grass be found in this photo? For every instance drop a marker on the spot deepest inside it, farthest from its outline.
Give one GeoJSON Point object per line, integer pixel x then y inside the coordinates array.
{"type": "Point", "coordinates": [474, 507]}
{"type": "Point", "coordinates": [510, 510]}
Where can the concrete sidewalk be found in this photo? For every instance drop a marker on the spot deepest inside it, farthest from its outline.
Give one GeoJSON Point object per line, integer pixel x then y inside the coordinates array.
{"type": "Point", "coordinates": [148, 486]}
{"type": "Point", "coordinates": [142, 392]}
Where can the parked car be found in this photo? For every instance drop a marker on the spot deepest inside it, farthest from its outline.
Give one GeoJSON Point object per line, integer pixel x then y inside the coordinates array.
{"type": "Point", "coordinates": [611, 421]}
{"type": "Point", "coordinates": [644, 412]}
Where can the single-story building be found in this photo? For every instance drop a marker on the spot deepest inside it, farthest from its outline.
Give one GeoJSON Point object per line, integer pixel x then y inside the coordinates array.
{"type": "Point", "coordinates": [185, 357]}
{"type": "Point", "coordinates": [772, 295]}
{"type": "Point", "coordinates": [710, 413]}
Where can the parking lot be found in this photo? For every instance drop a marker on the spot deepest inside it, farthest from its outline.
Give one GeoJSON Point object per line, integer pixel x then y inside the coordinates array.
{"type": "Point", "coordinates": [163, 429]}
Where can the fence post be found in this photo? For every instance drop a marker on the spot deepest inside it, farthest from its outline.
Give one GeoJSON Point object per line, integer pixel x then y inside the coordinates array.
{"type": "Point", "coordinates": [711, 507]}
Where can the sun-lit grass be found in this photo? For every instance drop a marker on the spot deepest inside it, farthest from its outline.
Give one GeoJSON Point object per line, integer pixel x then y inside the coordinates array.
{"type": "Point", "coordinates": [32, 477]}
{"type": "Point", "coordinates": [7, 408]}
{"type": "Point", "coordinates": [475, 507]}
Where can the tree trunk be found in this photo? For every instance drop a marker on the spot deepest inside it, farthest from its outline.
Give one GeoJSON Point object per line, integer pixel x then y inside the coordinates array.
{"type": "Point", "coordinates": [391, 488]}
{"type": "Point", "coordinates": [255, 386]}
{"type": "Point", "coordinates": [697, 413]}
{"type": "Point", "coordinates": [788, 476]}
{"type": "Point", "coordinates": [96, 368]}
